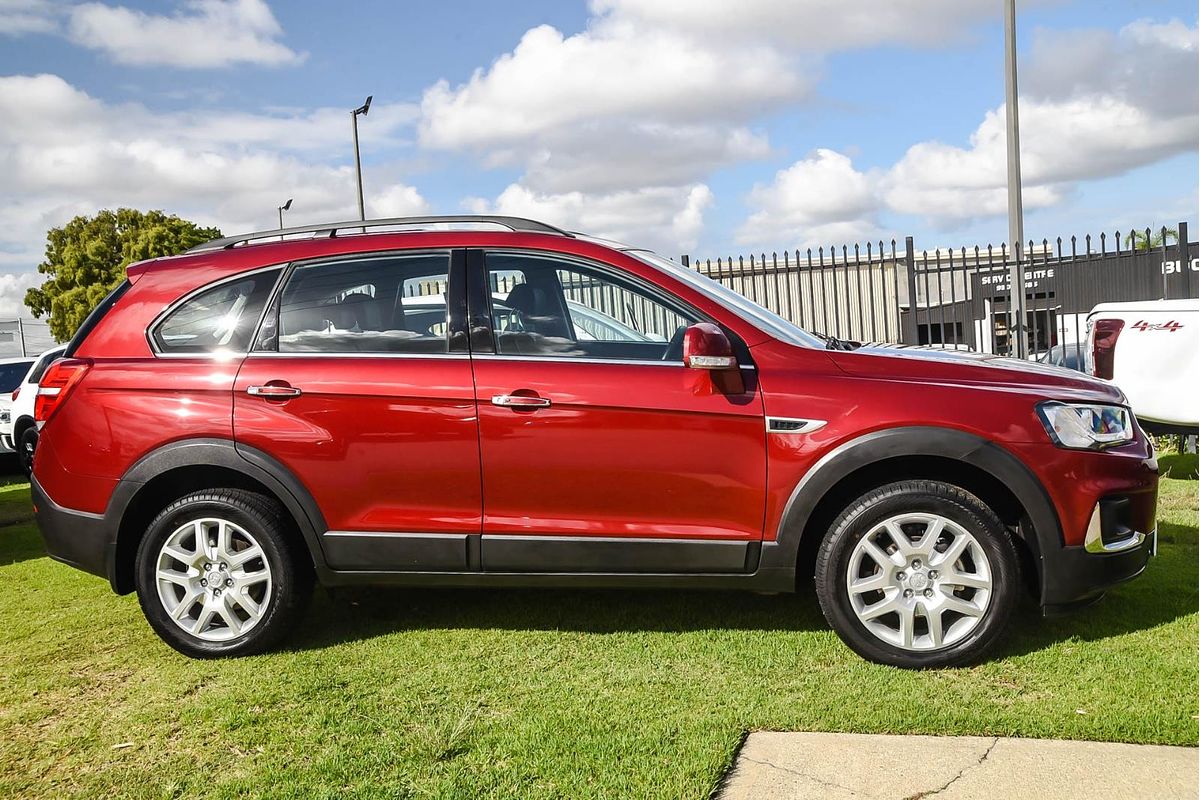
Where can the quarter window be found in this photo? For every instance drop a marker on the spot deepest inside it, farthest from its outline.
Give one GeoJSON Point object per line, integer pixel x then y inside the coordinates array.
{"type": "Point", "coordinates": [382, 304]}
{"type": "Point", "coordinates": [220, 319]}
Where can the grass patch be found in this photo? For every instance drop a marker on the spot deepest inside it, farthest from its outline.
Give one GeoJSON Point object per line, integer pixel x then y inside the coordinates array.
{"type": "Point", "coordinates": [461, 693]}
{"type": "Point", "coordinates": [1179, 465]}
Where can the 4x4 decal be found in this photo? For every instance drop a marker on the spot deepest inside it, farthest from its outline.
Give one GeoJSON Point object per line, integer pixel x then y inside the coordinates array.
{"type": "Point", "coordinates": [1171, 326]}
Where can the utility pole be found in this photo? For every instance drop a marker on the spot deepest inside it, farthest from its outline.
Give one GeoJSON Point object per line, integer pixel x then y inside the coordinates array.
{"type": "Point", "coordinates": [363, 109]}
{"type": "Point", "coordinates": [21, 336]}
{"type": "Point", "coordinates": [1016, 226]}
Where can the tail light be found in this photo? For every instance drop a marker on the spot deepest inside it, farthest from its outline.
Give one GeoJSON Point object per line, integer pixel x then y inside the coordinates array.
{"type": "Point", "coordinates": [1104, 346]}
{"type": "Point", "coordinates": [56, 385]}
{"type": "Point", "coordinates": [16, 392]}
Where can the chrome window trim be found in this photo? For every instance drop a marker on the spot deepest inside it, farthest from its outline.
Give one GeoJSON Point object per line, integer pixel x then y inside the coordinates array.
{"type": "Point", "coordinates": [170, 309]}
{"type": "Point", "coordinates": [327, 354]}
{"type": "Point", "coordinates": [632, 362]}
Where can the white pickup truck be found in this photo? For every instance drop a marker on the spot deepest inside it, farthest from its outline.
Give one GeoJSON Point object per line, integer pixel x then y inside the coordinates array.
{"type": "Point", "coordinates": [1151, 350]}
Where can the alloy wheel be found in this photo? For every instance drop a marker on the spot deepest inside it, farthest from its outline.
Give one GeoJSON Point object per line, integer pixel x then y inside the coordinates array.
{"type": "Point", "coordinates": [919, 581]}
{"type": "Point", "coordinates": [213, 579]}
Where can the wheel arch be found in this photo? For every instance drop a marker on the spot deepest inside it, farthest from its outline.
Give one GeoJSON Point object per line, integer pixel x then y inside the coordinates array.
{"type": "Point", "coordinates": [179, 468]}
{"type": "Point", "coordinates": [956, 457]}
{"type": "Point", "coordinates": [20, 425]}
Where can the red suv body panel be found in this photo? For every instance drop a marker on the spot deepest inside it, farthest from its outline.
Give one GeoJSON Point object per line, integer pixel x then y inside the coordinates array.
{"type": "Point", "coordinates": [399, 448]}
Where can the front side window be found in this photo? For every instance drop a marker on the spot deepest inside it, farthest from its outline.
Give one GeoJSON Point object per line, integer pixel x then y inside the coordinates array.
{"type": "Point", "coordinates": [220, 319]}
{"type": "Point", "coordinates": [378, 304]}
{"type": "Point", "coordinates": [550, 307]}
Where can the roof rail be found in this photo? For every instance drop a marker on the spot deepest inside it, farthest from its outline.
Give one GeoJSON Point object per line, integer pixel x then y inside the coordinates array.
{"type": "Point", "coordinates": [330, 229]}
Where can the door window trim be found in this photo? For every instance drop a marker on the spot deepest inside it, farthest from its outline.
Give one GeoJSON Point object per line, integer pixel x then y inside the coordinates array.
{"type": "Point", "coordinates": [456, 304]}
{"type": "Point", "coordinates": [478, 293]}
{"type": "Point", "coordinates": [216, 355]}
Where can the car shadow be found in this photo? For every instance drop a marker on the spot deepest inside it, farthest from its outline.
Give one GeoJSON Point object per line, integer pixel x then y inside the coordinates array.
{"type": "Point", "coordinates": [360, 613]}
{"type": "Point", "coordinates": [20, 541]}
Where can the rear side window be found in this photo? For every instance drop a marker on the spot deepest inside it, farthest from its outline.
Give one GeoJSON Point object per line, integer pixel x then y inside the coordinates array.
{"type": "Point", "coordinates": [379, 304]}
{"type": "Point", "coordinates": [39, 369]}
{"type": "Point", "coordinates": [222, 318]}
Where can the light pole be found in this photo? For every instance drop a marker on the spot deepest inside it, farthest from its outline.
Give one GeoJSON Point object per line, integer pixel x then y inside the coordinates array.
{"type": "Point", "coordinates": [282, 209]}
{"type": "Point", "coordinates": [1016, 226]}
{"type": "Point", "coordinates": [363, 109]}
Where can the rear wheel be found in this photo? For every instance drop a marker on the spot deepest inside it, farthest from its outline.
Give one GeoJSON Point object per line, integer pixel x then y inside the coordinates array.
{"type": "Point", "coordinates": [918, 574]}
{"type": "Point", "coordinates": [25, 447]}
{"type": "Point", "coordinates": [217, 575]}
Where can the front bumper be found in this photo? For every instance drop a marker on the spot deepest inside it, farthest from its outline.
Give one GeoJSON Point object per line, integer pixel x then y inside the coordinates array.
{"type": "Point", "coordinates": [1078, 576]}
{"type": "Point", "coordinates": [85, 541]}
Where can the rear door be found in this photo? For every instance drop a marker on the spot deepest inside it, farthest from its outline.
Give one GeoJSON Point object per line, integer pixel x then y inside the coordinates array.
{"type": "Point", "coordinates": [360, 385]}
{"type": "Point", "coordinates": [601, 451]}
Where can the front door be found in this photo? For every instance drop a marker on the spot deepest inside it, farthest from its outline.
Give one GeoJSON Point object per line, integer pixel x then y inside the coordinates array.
{"type": "Point", "coordinates": [359, 389]}
{"type": "Point", "coordinates": [601, 451]}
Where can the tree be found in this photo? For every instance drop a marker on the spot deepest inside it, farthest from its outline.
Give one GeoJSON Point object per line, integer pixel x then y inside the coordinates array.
{"type": "Point", "coordinates": [87, 257]}
{"type": "Point", "coordinates": [1144, 240]}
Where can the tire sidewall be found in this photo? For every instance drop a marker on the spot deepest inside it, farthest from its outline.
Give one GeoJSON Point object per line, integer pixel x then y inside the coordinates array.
{"type": "Point", "coordinates": [868, 512]}
{"type": "Point", "coordinates": [268, 537]}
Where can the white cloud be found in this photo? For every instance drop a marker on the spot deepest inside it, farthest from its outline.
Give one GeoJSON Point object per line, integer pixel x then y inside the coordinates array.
{"type": "Point", "coordinates": [612, 70]}
{"type": "Point", "coordinates": [618, 124]}
{"type": "Point", "coordinates": [813, 25]}
{"type": "Point", "coordinates": [665, 218]}
{"type": "Point", "coordinates": [12, 293]}
{"type": "Point", "coordinates": [606, 157]}
{"type": "Point", "coordinates": [205, 34]}
{"type": "Point", "coordinates": [397, 200]}
{"type": "Point", "coordinates": [63, 152]}
{"type": "Point", "coordinates": [1094, 105]}
{"type": "Point", "coordinates": [19, 17]}
{"type": "Point", "coordinates": [816, 201]}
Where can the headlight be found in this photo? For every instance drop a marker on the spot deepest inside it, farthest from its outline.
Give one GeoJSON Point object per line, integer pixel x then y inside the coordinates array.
{"type": "Point", "coordinates": [1086, 427]}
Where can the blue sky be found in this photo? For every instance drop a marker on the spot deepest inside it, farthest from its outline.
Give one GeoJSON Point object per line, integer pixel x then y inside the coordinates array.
{"type": "Point", "coordinates": [708, 126]}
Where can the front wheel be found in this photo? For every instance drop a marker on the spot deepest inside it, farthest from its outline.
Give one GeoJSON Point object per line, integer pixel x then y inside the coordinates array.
{"type": "Point", "coordinates": [918, 574]}
{"type": "Point", "coordinates": [217, 574]}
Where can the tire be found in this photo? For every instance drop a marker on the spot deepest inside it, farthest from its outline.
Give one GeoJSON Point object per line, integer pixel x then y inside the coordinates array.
{"type": "Point", "coordinates": [25, 447]}
{"type": "Point", "coordinates": [923, 616]}
{"type": "Point", "coordinates": [239, 594]}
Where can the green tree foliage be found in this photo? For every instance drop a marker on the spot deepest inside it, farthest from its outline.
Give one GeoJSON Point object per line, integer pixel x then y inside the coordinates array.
{"type": "Point", "coordinates": [87, 257]}
{"type": "Point", "coordinates": [1145, 240]}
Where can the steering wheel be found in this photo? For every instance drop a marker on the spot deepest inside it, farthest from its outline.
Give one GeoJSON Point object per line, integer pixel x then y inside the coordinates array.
{"type": "Point", "coordinates": [674, 351]}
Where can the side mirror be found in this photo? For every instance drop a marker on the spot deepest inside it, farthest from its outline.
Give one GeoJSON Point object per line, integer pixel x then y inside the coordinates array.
{"type": "Point", "coordinates": [705, 346]}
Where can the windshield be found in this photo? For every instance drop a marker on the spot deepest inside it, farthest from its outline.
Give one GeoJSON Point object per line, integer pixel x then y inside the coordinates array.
{"type": "Point", "coordinates": [12, 374]}
{"type": "Point", "coordinates": [767, 321]}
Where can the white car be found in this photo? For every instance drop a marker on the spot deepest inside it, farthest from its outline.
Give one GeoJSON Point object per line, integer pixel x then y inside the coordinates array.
{"type": "Point", "coordinates": [12, 372]}
{"type": "Point", "coordinates": [1150, 350]}
{"type": "Point", "coordinates": [17, 431]}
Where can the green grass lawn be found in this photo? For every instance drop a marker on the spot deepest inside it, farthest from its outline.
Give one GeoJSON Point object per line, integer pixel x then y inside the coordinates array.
{"type": "Point", "coordinates": [460, 693]}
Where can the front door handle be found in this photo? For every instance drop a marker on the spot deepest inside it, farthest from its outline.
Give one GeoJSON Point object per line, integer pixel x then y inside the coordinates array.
{"type": "Point", "coordinates": [520, 401]}
{"type": "Point", "coordinates": [273, 391]}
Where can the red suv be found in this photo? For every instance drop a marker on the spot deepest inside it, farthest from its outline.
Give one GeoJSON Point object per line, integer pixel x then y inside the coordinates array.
{"type": "Point", "coordinates": [401, 402]}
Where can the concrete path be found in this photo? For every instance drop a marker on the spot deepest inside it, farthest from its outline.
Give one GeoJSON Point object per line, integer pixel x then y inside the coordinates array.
{"type": "Point", "coordinates": [837, 766]}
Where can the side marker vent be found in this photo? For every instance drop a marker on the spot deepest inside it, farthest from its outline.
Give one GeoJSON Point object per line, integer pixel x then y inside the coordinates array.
{"type": "Point", "coordinates": [790, 425]}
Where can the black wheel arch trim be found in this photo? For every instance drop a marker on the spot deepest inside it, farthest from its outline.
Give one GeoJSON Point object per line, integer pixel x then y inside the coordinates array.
{"type": "Point", "coordinates": [226, 454]}
{"type": "Point", "coordinates": [848, 457]}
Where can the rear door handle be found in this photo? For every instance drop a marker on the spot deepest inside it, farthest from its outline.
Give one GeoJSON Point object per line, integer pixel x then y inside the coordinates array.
{"type": "Point", "coordinates": [273, 391]}
{"type": "Point", "coordinates": [519, 401]}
